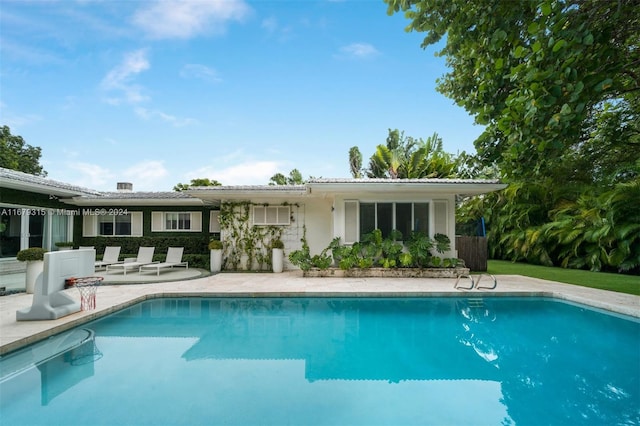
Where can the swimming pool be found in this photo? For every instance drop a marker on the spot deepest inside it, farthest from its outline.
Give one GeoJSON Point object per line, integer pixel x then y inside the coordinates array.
{"type": "Point", "coordinates": [327, 361]}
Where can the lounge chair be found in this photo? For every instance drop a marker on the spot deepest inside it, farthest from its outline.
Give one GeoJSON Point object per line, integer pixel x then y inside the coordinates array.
{"type": "Point", "coordinates": [110, 257]}
{"type": "Point", "coordinates": [145, 257]}
{"type": "Point", "coordinates": [174, 258]}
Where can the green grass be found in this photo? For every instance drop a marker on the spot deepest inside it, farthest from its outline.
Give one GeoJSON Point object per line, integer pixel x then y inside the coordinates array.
{"type": "Point", "coordinates": [606, 281]}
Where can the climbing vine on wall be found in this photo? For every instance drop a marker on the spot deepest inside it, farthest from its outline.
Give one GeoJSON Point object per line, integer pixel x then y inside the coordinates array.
{"type": "Point", "coordinates": [246, 247]}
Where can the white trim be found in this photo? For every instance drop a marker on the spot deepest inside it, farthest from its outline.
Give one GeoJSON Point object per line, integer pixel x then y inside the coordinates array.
{"type": "Point", "coordinates": [214, 221]}
{"type": "Point", "coordinates": [157, 221]}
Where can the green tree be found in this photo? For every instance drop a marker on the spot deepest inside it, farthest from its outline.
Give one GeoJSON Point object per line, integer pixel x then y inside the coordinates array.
{"type": "Point", "coordinates": [294, 178]}
{"type": "Point", "coordinates": [196, 182]}
{"type": "Point", "coordinates": [557, 85]}
{"type": "Point", "coordinates": [532, 72]}
{"type": "Point", "coordinates": [16, 154]}
{"type": "Point", "coordinates": [355, 162]}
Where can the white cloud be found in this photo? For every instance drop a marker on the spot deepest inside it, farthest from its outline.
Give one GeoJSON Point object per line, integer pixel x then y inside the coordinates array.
{"type": "Point", "coordinates": [146, 173]}
{"type": "Point", "coordinates": [359, 50]}
{"type": "Point", "coordinates": [119, 78]}
{"type": "Point", "coordinates": [91, 175]}
{"type": "Point", "coordinates": [270, 24]}
{"type": "Point", "coordinates": [175, 121]}
{"type": "Point", "coordinates": [201, 72]}
{"type": "Point", "coordinates": [188, 18]}
{"type": "Point", "coordinates": [247, 173]}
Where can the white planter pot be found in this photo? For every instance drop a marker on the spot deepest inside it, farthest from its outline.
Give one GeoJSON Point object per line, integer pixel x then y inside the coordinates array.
{"type": "Point", "coordinates": [216, 260]}
{"type": "Point", "coordinates": [64, 248]}
{"type": "Point", "coordinates": [34, 268]}
{"type": "Point", "coordinates": [277, 260]}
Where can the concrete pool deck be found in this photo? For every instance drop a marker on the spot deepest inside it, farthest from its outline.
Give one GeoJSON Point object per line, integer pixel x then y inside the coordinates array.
{"type": "Point", "coordinates": [115, 296]}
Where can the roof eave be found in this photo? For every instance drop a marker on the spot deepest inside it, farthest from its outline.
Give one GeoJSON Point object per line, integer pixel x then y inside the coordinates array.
{"type": "Point", "coordinates": [91, 202]}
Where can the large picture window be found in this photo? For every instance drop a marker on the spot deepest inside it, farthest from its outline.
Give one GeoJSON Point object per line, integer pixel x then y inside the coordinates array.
{"type": "Point", "coordinates": [404, 217]}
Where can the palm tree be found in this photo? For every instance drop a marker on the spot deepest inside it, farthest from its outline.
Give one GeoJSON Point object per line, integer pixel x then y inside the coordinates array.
{"type": "Point", "coordinates": [355, 162]}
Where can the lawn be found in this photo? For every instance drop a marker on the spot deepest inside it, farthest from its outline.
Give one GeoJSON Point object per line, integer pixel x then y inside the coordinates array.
{"type": "Point", "coordinates": [606, 281]}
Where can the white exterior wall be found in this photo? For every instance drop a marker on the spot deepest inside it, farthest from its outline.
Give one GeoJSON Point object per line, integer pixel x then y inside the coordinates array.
{"type": "Point", "coordinates": [324, 217]}
{"type": "Point", "coordinates": [319, 222]}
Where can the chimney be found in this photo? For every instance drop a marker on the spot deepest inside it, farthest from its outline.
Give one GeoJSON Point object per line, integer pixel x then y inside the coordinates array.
{"type": "Point", "coordinates": [125, 187]}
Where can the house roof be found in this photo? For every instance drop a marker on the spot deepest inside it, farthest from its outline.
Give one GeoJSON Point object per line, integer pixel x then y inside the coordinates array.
{"type": "Point", "coordinates": [349, 186]}
{"type": "Point", "coordinates": [242, 192]}
{"type": "Point", "coordinates": [25, 182]}
{"type": "Point", "coordinates": [195, 196]}
{"type": "Point", "coordinates": [378, 186]}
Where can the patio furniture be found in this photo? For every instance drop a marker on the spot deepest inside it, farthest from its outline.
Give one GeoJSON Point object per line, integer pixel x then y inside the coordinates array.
{"type": "Point", "coordinates": [145, 257]}
{"type": "Point", "coordinates": [110, 257]}
{"type": "Point", "coordinates": [174, 258]}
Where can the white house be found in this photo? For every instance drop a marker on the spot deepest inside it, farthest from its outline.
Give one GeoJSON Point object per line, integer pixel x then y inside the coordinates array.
{"type": "Point", "coordinates": [37, 212]}
{"type": "Point", "coordinates": [350, 208]}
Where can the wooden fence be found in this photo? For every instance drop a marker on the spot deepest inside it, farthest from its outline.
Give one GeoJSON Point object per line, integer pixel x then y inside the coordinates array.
{"type": "Point", "coordinates": [473, 250]}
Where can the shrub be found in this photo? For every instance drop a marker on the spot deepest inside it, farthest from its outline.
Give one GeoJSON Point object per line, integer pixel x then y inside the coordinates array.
{"type": "Point", "coordinates": [215, 245]}
{"type": "Point", "coordinates": [277, 244]}
{"type": "Point", "coordinates": [32, 253]}
{"type": "Point", "coordinates": [64, 244]}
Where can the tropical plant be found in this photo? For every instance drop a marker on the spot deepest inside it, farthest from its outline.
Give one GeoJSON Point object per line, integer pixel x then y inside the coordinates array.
{"type": "Point", "coordinates": [420, 245]}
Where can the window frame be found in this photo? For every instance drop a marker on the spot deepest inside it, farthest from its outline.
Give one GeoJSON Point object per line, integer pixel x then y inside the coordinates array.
{"type": "Point", "coordinates": [159, 221]}
{"type": "Point", "coordinates": [91, 225]}
{"type": "Point", "coordinates": [261, 215]}
{"type": "Point", "coordinates": [394, 216]}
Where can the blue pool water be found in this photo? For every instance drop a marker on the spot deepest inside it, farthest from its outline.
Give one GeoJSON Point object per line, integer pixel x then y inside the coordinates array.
{"type": "Point", "coordinates": [320, 361]}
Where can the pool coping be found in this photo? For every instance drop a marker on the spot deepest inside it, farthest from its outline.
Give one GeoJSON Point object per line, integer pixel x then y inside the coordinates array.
{"type": "Point", "coordinates": [15, 335]}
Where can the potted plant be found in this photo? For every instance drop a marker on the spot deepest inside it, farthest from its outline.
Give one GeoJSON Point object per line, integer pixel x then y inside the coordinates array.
{"type": "Point", "coordinates": [277, 255]}
{"type": "Point", "coordinates": [34, 256]}
{"type": "Point", "coordinates": [64, 245]}
{"type": "Point", "coordinates": [215, 247]}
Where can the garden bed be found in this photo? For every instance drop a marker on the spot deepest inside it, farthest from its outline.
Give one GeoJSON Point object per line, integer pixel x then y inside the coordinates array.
{"type": "Point", "coordinates": [387, 272]}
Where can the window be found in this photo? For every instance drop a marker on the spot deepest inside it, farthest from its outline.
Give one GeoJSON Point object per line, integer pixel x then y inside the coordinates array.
{"type": "Point", "coordinates": [404, 217]}
{"type": "Point", "coordinates": [271, 215]}
{"type": "Point", "coordinates": [176, 221]}
{"type": "Point", "coordinates": [112, 225]}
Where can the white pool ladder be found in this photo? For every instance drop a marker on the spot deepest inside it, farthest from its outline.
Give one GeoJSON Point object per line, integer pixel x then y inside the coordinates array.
{"type": "Point", "coordinates": [495, 282]}
{"type": "Point", "coordinates": [457, 284]}
{"type": "Point", "coordinates": [476, 284]}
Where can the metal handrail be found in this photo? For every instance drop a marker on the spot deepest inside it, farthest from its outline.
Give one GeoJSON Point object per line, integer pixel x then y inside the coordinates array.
{"type": "Point", "coordinates": [495, 282]}
{"type": "Point", "coordinates": [464, 276]}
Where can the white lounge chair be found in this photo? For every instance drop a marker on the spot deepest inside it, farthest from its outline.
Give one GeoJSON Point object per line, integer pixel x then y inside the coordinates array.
{"type": "Point", "coordinates": [145, 257]}
{"type": "Point", "coordinates": [174, 258]}
{"type": "Point", "coordinates": [110, 257]}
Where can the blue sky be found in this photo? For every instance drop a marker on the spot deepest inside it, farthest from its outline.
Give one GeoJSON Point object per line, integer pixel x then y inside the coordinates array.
{"type": "Point", "coordinates": [161, 92]}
